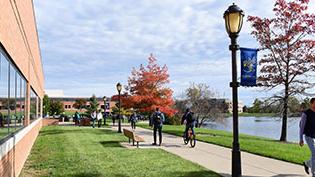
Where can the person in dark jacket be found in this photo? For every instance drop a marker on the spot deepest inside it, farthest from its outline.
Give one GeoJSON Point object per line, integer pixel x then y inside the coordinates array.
{"type": "Point", "coordinates": [133, 119]}
{"type": "Point", "coordinates": [157, 122]}
{"type": "Point", "coordinates": [307, 128]}
{"type": "Point", "coordinates": [1, 120]}
{"type": "Point", "coordinates": [190, 121]}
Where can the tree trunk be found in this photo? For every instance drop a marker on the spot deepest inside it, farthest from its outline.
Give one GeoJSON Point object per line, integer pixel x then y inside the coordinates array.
{"type": "Point", "coordinates": [285, 115]}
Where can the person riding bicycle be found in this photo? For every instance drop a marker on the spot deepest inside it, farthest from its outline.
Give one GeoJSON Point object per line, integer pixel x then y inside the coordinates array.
{"type": "Point", "coordinates": [190, 120]}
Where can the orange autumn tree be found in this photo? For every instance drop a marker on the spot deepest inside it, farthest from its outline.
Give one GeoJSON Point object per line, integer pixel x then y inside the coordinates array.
{"type": "Point", "coordinates": [148, 90]}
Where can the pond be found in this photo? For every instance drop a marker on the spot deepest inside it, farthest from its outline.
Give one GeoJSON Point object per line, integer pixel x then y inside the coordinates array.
{"type": "Point", "coordinates": [268, 127]}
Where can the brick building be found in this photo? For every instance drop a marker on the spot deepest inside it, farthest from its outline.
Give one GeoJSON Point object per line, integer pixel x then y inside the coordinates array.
{"type": "Point", "coordinates": [21, 84]}
{"type": "Point", "coordinates": [68, 103]}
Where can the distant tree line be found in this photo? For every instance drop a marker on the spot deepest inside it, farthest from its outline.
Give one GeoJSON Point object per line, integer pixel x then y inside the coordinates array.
{"type": "Point", "coordinates": [270, 105]}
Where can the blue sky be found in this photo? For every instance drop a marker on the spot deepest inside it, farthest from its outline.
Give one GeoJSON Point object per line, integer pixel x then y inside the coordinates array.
{"type": "Point", "coordinates": [89, 46]}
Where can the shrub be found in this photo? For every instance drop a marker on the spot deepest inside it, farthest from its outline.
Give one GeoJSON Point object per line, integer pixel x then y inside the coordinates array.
{"type": "Point", "coordinates": [175, 120]}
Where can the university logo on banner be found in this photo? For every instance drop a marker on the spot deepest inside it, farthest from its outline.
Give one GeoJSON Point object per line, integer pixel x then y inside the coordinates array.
{"type": "Point", "coordinates": [248, 67]}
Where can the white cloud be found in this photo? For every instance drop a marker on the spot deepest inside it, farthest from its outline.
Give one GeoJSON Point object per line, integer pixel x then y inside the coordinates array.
{"type": "Point", "coordinates": [88, 46]}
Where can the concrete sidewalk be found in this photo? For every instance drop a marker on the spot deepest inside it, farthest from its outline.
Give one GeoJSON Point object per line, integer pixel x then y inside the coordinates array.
{"type": "Point", "coordinates": [217, 158]}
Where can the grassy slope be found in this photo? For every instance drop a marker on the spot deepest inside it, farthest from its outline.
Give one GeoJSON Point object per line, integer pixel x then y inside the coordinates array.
{"type": "Point", "coordinates": [87, 152]}
{"type": "Point", "coordinates": [290, 152]}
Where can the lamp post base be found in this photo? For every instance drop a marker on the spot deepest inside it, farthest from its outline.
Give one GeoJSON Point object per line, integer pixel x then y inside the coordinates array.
{"type": "Point", "coordinates": [236, 163]}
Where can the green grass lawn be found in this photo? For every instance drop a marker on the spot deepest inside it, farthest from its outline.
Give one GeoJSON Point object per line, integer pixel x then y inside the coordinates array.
{"type": "Point", "coordinates": [290, 152]}
{"type": "Point", "coordinates": [85, 152]}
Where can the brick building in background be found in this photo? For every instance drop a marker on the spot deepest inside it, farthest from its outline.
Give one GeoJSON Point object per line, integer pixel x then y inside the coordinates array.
{"type": "Point", "coordinates": [68, 103]}
{"type": "Point", "coordinates": [21, 84]}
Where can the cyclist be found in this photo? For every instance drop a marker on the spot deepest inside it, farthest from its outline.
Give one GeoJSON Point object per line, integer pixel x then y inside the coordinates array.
{"type": "Point", "coordinates": [188, 117]}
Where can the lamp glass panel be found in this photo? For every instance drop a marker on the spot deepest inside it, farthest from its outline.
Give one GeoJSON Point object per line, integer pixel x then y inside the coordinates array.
{"type": "Point", "coordinates": [234, 22]}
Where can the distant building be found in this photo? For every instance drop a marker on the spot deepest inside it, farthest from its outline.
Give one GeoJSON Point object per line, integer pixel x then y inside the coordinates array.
{"type": "Point", "coordinates": [69, 102]}
{"type": "Point", "coordinates": [230, 106]}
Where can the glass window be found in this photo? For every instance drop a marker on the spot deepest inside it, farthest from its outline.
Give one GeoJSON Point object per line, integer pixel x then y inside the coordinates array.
{"type": "Point", "coordinates": [33, 106]}
{"type": "Point", "coordinates": [39, 107]}
{"type": "Point", "coordinates": [23, 99]}
{"type": "Point", "coordinates": [4, 96]}
{"type": "Point", "coordinates": [19, 112]}
{"type": "Point", "coordinates": [12, 99]}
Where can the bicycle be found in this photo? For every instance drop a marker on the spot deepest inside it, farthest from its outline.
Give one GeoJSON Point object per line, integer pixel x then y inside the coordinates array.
{"type": "Point", "coordinates": [191, 138]}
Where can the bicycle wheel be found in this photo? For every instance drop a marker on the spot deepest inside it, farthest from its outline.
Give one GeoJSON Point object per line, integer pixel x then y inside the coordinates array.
{"type": "Point", "coordinates": [185, 140]}
{"type": "Point", "coordinates": [192, 141]}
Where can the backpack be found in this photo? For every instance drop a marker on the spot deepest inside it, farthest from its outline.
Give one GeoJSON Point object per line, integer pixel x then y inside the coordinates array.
{"type": "Point", "coordinates": [190, 118]}
{"type": "Point", "coordinates": [158, 117]}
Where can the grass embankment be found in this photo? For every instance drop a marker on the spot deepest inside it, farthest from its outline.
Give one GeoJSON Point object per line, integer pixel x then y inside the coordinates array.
{"type": "Point", "coordinates": [86, 152]}
{"type": "Point", "coordinates": [290, 152]}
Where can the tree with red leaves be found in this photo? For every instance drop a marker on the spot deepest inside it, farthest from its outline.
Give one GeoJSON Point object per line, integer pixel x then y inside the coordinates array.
{"type": "Point", "coordinates": [289, 55]}
{"type": "Point", "coordinates": [147, 89]}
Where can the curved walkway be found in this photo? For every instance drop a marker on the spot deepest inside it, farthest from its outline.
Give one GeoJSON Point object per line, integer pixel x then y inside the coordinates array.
{"type": "Point", "coordinates": [217, 158]}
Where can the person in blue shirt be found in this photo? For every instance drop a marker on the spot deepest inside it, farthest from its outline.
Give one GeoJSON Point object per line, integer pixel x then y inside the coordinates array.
{"type": "Point", "coordinates": [307, 128]}
{"type": "Point", "coordinates": [157, 122]}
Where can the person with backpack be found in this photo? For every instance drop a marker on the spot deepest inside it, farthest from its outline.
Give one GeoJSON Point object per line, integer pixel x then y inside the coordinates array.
{"type": "Point", "coordinates": [307, 128]}
{"type": "Point", "coordinates": [190, 121]}
{"type": "Point", "coordinates": [157, 122]}
{"type": "Point", "coordinates": [133, 119]}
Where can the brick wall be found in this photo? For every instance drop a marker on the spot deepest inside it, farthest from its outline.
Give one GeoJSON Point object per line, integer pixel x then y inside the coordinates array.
{"type": "Point", "coordinates": [14, 151]}
{"type": "Point", "coordinates": [18, 35]}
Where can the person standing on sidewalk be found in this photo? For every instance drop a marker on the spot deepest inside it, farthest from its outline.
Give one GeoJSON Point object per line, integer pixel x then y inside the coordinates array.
{"type": "Point", "coordinates": [307, 128]}
{"type": "Point", "coordinates": [133, 120]}
{"type": "Point", "coordinates": [157, 122]}
{"type": "Point", "coordinates": [93, 117]}
{"type": "Point", "coordinates": [77, 118]}
{"type": "Point", "coordinates": [99, 119]}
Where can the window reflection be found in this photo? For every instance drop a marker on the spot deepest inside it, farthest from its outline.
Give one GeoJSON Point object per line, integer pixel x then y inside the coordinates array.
{"type": "Point", "coordinates": [12, 97]}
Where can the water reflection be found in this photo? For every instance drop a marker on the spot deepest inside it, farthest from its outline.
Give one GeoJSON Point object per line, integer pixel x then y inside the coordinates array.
{"type": "Point", "coordinates": [260, 126]}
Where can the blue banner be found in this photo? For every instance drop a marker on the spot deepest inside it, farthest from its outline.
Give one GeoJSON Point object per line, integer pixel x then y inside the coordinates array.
{"type": "Point", "coordinates": [248, 67]}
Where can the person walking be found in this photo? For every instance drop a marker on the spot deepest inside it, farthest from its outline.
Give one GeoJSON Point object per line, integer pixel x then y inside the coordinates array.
{"type": "Point", "coordinates": [307, 128]}
{"type": "Point", "coordinates": [133, 119]}
{"type": "Point", "coordinates": [99, 117]}
{"type": "Point", "coordinates": [77, 118]}
{"type": "Point", "coordinates": [93, 117]}
{"type": "Point", "coordinates": [190, 121]}
{"type": "Point", "coordinates": [1, 120]}
{"type": "Point", "coordinates": [114, 118]}
{"type": "Point", "coordinates": [157, 122]}
{"type": "Point", "coordinates": [105, 117]}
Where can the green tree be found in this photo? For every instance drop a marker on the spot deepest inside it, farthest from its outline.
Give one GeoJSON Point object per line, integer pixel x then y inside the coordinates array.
{"type": "Point", "coordinates": [93, 105]}
{"type": "Point", "coordinates": [293, 105]}
{"type": "Point", "coordinates": [56, 107]}
{"type": "Point", "coordinates": [46, 105]}
{"type": "Point", "coordinates": [257, 106]}
{"type": "Point", "coordinates": [305, 104]}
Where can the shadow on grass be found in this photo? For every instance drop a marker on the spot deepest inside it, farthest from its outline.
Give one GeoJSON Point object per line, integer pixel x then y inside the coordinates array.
{"type": "Point", "coordinates": [202, 173]}
{"type": "Point", "coordinates": [87, 174]}
{"type": "Point", "coordinates": [183, 174]}
{"type": "Point", "coordinates": [107, 144]}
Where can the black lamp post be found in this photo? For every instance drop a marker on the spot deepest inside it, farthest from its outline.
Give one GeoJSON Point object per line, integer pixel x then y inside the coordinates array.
{"type": "Point", "coordinates": [119, 87]}
{"type": "Point", "coordinates": [104, 99]}
{"type": "Point", "coordinates": [233, 17]}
